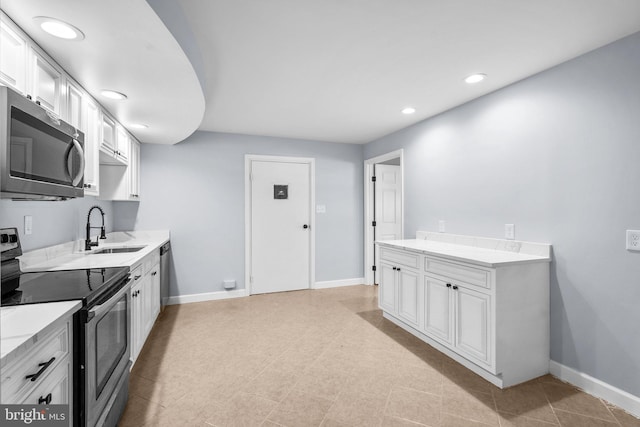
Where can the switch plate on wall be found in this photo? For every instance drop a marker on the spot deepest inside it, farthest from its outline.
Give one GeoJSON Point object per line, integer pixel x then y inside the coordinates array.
{"type": "Point", "coordinates": [441, 226]}
{"type": "Point", "coordinates": [510, 231]}
{"type": "Point", "coordinates": [633, 240]}
{"type": "Point", "coordinates": [321, 209]}
{"type": "Point", "coordinates": [28, 225]}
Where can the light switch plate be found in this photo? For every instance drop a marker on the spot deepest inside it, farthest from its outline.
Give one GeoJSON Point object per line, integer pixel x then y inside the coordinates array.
{"type": "Point", "coordinates": [28, 225]}
{"type": "Point", "coordinates": [510, 231]}
{"type": "Point", "coordinates": [441, 226]}
{"type": "Point", "coordinates": [321, 209]}
{"type": "Point", "coordinates": [633, 240]}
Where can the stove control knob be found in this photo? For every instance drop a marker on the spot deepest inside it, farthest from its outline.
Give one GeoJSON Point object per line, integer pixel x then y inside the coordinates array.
{"type": "Point", "coordinates": [13, 238]}
{"type": "Point", "coordinates": [4, 238]}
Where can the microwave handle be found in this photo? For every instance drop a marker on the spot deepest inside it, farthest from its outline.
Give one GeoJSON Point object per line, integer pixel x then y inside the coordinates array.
{"type": "Point", "coordinates": [78, 177]}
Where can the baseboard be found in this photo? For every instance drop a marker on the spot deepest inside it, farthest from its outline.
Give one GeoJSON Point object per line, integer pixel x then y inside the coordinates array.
{"type": "Point", "coordinates": [338, 283]}
{"type": "Point", "coordinates": [598, 388]}
{"type": "Point", "coordinates": [209, 296]}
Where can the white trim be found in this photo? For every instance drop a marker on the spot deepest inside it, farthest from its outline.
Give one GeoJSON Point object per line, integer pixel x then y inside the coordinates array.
{"type": "Point", "coordinates": [596, 387]}
{"type": "Point", "coordinates": [248, 158]}
{"type": "Point", "coordinates": [208, 296]}
{"type": "Point", "coordinates": [337, 283]}
{"type": "Point", "coordinates": [368, 208]}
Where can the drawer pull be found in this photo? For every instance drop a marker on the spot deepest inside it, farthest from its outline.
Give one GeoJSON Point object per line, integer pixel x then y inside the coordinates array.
{"type": "Point", "coordinates": [45, 400]}
{"type": "Point", "coordinates": [43, 367]}
{"type": "Point", "coordinates": [137, 277]}
{"type": "Point", "coordinates": [154, 273]}
{"type": "Point", "coordinates": [455, 288]}
{"type": "Point", "coordinates": [448, 285]}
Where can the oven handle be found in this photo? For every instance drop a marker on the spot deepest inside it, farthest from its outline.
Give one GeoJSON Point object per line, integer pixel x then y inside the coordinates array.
{"type": "Point", "coordinates": [100, 309]}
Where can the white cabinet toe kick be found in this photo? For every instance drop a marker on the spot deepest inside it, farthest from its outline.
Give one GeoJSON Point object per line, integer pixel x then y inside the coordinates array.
{"type": "Point", "coordinates": [493, 318]}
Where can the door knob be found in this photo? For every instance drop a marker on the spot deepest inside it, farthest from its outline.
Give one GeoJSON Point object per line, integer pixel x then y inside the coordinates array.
{"type": "Point", "coordinates": [305, 226]}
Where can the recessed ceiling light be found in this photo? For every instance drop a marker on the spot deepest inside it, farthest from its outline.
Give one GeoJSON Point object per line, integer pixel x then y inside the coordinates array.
{"type": "Point", "coordinates": [408, 110]}
{"type": "Point", "coordinates": [138, 126]}
{"type": "Point", "coordinates": [475, 78]}
{"type": "Point", "coordinates": [58, 28]}
{"type": "Point", "coordinates": [112, 94]}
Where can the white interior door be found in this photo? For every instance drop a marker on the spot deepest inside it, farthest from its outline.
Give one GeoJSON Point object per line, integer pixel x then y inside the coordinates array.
{"type": "Point", "coordinates": [280, 226]}
{"type": "Point", "coordinates": [388, 206]}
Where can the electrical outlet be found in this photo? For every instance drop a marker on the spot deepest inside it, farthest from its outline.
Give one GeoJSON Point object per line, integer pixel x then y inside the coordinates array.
{"type": "Point", "coordinates": [28, 225]}
{"type": "Point", "coordinates": [441, 226]}
{"type": "Point", "coordinates": [633, 240]}
{"type": "Point", "coordinates": [510, 231]}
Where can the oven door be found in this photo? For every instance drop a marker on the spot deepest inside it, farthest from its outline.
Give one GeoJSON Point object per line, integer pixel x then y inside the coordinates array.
{"type": "Point", "coordinates": [106, 351]}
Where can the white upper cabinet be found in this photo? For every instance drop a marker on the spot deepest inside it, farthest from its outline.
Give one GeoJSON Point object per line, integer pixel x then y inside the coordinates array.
{"type": "Point", "coordinates": [122, 144]}
{"type": "Point", "coordinates": [13, 57]}
{"type": "Point", "coordinates": [74, 110]}
{"type": "Point", "coordinates": [92, 139]}
{"type": "Point", "coordinates": [46, 82]}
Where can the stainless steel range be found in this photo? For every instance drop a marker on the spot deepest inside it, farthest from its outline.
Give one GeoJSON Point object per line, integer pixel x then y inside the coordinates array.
{"type": "Point", "coordinates": [101, 327]}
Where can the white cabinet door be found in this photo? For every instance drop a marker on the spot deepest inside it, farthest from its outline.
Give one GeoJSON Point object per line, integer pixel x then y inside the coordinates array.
{"type": "Point", "coordinates": [54, 389]}
{"type": "Point", "coordinates": [74, 111]}
{"type": "Point", "coordinates": [438, 305]}
{"type": "Point", "coordinates": [387, 288]}
{"type": "Point", "coordinates": [134, 170]}
{"type": "Point", "coordinates": [408, 300]}
{"type": "Point", "coordinates": [122, 144]}
{"type": "Point", "coordinates": [155, 292]}
{"type": "Point", "coordinates": [46, 83]}
{"type": "Point", "coordinates": [147, 306]}
{"type": "Point", "coordinates": [472, 323]}
{"type": "Point", "coordinates": [13, 57]}
{"type": "Point", "coordinates": [136, 319]}
{"type": "Point", "coordinates": [92, 138]}
{"type": "Point", "coordinates": [108, 142]}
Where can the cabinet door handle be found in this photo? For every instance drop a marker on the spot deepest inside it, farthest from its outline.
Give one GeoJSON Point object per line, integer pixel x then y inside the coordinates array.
{"type": "Point", "coordinates": [448, 285]}
{"type": "Point", "coordinates": [46, 400]}
{"type": "Point", "coordinates": [398, 268]}
{"type": "Point", "coordinates": [395, 268]}
{"type": "Point", "coordinates": [137, 277]}
{"type": "Point", "coordinates": [455, 288]}
{"type": "Point", "coordinates": [43, 367]}
{"type": "Point", "coordinates": [154, 273]}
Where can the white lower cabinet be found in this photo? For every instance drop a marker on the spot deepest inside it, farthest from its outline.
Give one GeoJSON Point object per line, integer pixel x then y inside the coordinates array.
{"type": "Point", "coordinates": [495, 321]}
{"type": "Point", "coordinates": [145, 301]}
{"type": "Point", "coordinates": [44, 375]}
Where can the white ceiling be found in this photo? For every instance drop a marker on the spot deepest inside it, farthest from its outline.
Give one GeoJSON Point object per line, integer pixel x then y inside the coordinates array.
{"type": "Point", "coordinates": [331, 70]}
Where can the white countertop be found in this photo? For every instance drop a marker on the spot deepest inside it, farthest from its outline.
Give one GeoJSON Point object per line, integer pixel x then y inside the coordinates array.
{"type": "Point", "coordinates": [470, 254]}
{"type": "Point", "coordinates": [23, 326]}
{"type": "Point", "coordinates": [72, 256]}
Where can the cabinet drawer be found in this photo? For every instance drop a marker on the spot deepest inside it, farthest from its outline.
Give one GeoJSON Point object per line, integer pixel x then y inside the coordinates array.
{"type": "Point", "coordinates": [14, 381]}
{"type": "Point", "coordinates": [55, 384]}
{"type": "Point", "coordinates": [456, 272]}
{"type": "Point", "coordinates": [395, 257]}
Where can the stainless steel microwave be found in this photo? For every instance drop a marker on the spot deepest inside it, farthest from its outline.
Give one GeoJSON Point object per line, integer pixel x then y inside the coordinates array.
{"type": "Point", "coordinates": [41, 156]}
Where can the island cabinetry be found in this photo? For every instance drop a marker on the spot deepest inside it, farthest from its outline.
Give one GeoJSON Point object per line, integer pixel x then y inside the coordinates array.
{"type": "Point", "coordinates": [400, 288]}
{"type": "Point", "coordinates": [458, 309]}
{"type": "Point", "coordinates": [494, 319]}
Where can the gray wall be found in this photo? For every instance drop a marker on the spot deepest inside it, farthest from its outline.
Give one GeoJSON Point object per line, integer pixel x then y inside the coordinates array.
{"type": "Point", "coordinates": [558, 155]}
{"type": "Point", "coordinates": [53, 222]}
{"type": "Point", "coordinates": [196, 189]}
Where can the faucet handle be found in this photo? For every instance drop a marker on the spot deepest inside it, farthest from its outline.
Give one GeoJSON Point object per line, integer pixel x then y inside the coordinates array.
{"type": "Point", "coordinates": [102, 233]}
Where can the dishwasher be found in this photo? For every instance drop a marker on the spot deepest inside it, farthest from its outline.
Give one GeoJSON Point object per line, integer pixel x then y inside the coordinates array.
{"type": "Point", "coordinates": [165, 252]}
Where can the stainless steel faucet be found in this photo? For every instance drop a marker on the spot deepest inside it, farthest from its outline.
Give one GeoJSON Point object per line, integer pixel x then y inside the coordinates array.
{"type": "Point", "coordinates": [88, 244]}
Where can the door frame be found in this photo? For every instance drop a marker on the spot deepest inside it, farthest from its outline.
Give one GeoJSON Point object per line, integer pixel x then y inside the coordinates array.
{"type": "Point", "coordinates": [248, 158]}
{"type": "Point", "coordinates": [369, 208]}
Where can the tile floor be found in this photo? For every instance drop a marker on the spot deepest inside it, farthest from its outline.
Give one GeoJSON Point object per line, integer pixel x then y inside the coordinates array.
{"type": "Point", "coordinates": [326, 358]}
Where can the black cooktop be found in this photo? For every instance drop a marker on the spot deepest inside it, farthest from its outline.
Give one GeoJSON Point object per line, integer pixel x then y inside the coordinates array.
{"type": "Point", "coordinates": [66, 285]}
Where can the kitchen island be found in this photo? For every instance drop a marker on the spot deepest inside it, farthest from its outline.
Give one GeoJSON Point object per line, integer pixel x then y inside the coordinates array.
{"type": "Point", "coordinates": [483, 302]}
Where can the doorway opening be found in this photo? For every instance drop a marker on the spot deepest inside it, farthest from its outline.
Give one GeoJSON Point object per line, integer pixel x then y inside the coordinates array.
{"type": "Point", "coordinates": [383, 206]}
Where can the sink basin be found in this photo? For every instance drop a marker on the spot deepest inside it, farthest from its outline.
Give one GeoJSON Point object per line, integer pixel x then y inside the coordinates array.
{"type": "Point", "coordinates": [118, 250]}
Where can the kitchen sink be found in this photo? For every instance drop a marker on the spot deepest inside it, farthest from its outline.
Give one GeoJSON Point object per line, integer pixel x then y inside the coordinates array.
{"type": "Point", "coordinates": [118, 250]}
